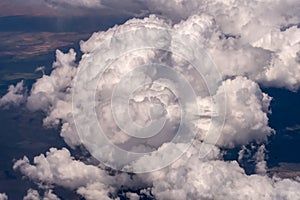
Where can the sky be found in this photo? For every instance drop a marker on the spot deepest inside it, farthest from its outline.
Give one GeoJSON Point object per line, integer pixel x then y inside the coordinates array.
{"type": "Point", "coordinates": [178, 99]}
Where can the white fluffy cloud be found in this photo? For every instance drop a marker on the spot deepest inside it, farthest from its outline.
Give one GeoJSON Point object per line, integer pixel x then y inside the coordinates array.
{"type": "Point", "coordinates": [52, 94]}
{"type": "Point", "coordinates": [187, 178]}
{"type": "Point", "coordinates": [284, 68]}
{"type": "Point", "coordinates": [232, 15]}
{"type": "Point", "coordinates": [219, 180]}
{"type": "Point", "coordinates": [269, 58]}
{"type": "Point", "coordinates": [256, 46]}
{"type": "Point", "coordinates": [3, 196]}
{"type": "Point", "coordinates": [34, 195]}
{"type": "Point", "coordinates": [245, 42]}
{"type": "Point", "coordinates": [247, 107]}
{"type": "Point", "coordinates": [58, 167]}
{"type": "Point", "coordinates": [15, 96]}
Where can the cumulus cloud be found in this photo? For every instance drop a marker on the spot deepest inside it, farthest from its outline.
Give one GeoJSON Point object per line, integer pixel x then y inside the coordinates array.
{"type": "Point", "coordinates": [188, 178]}
{"type": "Point", "coordinates": [284, 67]}
{"type": "Point", "coordinates": [58, 167]}
{"type": "Point", "coordinates": [270, 63]}
{"type": "Point", "coordinates": [3, 196]}
{"type": "Point", "coordinates": [261, 164]}
{"type": "Point", "coordinates": [232, 15]}
{"type": "Point", "coordinates": [15, 96]}
{"type": "Point", "coordinates": [246, 119]}
{"type": "Point", "coordinates": [219, 180]}
{"type": "Point", "coordinates": [34, 195]}
{"type": "Point", "coordinates": [52, 94]}
{"type": "Point", "coordinates": [249, 47]}
{"type": "Point", "coordinates": [253, 43]}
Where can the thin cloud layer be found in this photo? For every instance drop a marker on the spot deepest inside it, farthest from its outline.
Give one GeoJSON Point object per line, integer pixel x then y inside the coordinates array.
{"type": "Point", "coordinates": [75, 3]}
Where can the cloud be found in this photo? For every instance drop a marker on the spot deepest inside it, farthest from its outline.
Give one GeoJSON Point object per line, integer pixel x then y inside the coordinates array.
{"type": "Point", "coordinates": [94, 191]}
{"type": "Point", "coordinates": [53, 93]}
{"type": "Point", "coordinates": [3, 196]}
{"type": "Point", "coordinates": [246, 119]}
{"type": "Point", "coordinates": [15, 96]}
{"type": "Point", "coordinates": [250, 51]}
{"type": "Point", "coordinates": [75, 3]}
{"type": "Point", "coordinates": [261, 164]}
{"type": "Point", "coordinates": [256, 56]}
{"type": "Point", "coordinates": [219, 180]}
{"type": "Point", "coordinates": [253, 44]}
{"type": "Point", "coordinates": [293, 128]}
{"type": "Point", "coordinates": [65, 8]}
{"type": "Point", "coordinates": [187, 178]}
{"type": "Point", "coordinates": [284, 70]}
{"type": "Point", "coordinates": [58, 167]}
{"type": "Point", "coordinates": [231, 15]}
{"type": "Point", "coordinates": [34, 195]}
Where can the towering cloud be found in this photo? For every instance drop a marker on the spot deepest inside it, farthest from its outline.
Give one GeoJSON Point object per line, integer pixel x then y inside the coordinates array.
{"type": "Point", "coordinates": [252, 44]}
